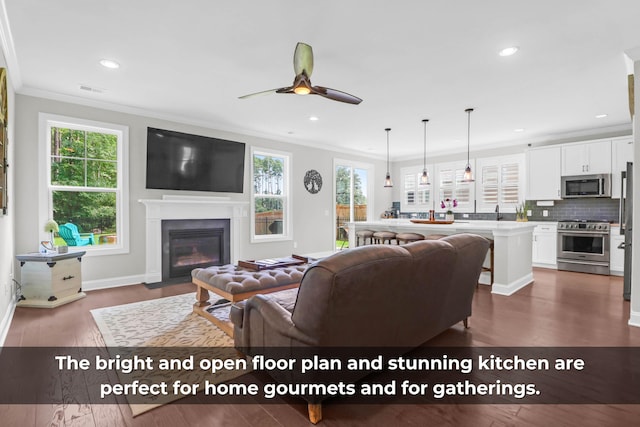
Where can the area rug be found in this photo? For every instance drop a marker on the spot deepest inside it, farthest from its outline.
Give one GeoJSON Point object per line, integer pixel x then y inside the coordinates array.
{"type": "Point", "coordinates": [165, 322]}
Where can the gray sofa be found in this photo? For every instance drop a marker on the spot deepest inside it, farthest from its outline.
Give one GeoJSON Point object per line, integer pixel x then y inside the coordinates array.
{"type": "Point", "coordinates": [371, 296]}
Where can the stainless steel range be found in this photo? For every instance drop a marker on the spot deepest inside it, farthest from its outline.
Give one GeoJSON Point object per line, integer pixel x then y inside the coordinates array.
{"type": "Point", "coordinates": [583, 246]}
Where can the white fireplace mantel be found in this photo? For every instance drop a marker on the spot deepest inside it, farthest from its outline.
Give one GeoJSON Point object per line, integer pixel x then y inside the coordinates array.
{"type": "Point", "coordinates": [187, 208]}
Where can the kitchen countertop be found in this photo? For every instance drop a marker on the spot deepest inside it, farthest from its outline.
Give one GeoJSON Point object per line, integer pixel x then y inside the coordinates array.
{"type": "Point", "coordinates": [512, 245]}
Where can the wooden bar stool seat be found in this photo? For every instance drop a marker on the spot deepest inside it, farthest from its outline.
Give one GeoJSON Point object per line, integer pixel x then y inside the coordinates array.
{"type": "Point", "coordinates": [382, 236]}
{"type": "Point", "coordinates": [364, 235]}
{"type": "Point", "coordinates": [403, 238]}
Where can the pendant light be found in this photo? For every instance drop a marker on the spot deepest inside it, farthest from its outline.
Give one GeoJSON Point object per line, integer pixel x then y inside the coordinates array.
{"type": "Point", "coordinates": [387, 179]}
{"type": "Point", "coordinates": [424, 179]}
{"type": "Point", "coordinates": [468, 176]}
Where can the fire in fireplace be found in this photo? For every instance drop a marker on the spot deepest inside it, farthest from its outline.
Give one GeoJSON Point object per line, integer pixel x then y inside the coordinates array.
{"type": "Point", "coordinates": [189, 244]}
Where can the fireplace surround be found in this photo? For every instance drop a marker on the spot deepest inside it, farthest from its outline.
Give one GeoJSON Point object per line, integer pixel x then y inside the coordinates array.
{"type": "Point", "coordinates": [188, 208]}
{"type": "Point", "coordinates": [193, 243]}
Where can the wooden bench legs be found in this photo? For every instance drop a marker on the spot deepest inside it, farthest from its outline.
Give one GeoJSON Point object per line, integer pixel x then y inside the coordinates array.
{"type": "Point", "coordinates": [315, 412]}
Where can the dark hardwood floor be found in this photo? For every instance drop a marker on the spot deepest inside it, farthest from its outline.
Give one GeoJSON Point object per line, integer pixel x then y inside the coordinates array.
{"type": "Point", "coordinates": [559, 309]}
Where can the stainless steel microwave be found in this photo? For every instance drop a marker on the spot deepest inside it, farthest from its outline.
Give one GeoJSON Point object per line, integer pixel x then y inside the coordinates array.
{"type": "Point", "coordinates": [581, 186]}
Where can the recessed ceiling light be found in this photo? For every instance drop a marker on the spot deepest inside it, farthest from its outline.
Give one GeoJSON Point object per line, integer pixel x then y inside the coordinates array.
{"type": "Point", "coordinates": [601, 116]}
{"type": "Point", "coordinates": [508, 51]}
{"type": "Point", "coordinates": [519, 130]}
{"type": "Point", "coordinates": [314, 118]}
{"type": "Point", "coordinates": [108, 63]}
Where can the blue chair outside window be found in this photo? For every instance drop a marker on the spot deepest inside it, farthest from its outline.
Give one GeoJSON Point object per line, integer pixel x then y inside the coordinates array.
{"type": "Point", "coordinates": [69, 232]}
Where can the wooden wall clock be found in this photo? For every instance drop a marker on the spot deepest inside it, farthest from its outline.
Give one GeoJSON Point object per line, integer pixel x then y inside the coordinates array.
{"type": "Point", "coordinates": [4, 116]}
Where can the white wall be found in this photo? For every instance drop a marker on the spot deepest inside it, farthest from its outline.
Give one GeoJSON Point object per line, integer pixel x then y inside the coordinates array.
{"type": "Point", "coordinates": [312, 229]}
{"type": "Point", "coordinates": [7, 235]}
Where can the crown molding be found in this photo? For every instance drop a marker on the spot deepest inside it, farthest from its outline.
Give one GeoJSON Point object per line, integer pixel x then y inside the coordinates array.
{"type": "Point", "coordinates": [8, 47]}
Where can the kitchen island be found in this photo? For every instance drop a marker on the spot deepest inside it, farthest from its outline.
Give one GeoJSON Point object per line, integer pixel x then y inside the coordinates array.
{"type": "Point", "coordinates": [512, 245]}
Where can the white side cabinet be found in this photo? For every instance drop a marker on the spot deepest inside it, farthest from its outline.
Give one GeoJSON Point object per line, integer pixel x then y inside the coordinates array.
{"type": "Point", "coordinates": [545, 249]}
{"type": "Point", "coordinates": [586, 158]}
{"type": "Point", "coordinates": [50, 280]}
{"type": "Point", "coordinates": [621, 153]}
{"type": "Point", "coordinates": [616, 258]}
{"type": "Point", "coordinates": [543, 173]}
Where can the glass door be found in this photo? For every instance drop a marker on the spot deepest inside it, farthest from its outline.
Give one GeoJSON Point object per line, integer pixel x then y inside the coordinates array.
{"type": "Point", "coordinates": [352, 198]}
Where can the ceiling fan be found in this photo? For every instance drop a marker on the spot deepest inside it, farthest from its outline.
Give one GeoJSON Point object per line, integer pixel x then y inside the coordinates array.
{"type": "Point", "coordinates": [303, 67]}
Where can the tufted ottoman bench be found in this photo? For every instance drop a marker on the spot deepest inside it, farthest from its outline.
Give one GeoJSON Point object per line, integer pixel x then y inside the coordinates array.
{"type": "Point", "coordinates": [233, 283]}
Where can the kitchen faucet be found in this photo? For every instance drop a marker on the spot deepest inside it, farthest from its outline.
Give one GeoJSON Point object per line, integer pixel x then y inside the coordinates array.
{"type": "Point", "coordinates": [498, 216]}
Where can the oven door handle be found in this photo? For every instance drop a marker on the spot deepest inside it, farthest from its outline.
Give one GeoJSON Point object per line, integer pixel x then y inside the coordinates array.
{"type": "Point", "coordinates": [569, 261]}
{"type": "Point", "coordinates": [583, 233]}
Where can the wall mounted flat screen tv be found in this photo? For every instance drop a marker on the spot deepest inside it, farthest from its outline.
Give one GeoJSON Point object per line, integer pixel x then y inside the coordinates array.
{"type": "Point", "coordinates": [180, 161]}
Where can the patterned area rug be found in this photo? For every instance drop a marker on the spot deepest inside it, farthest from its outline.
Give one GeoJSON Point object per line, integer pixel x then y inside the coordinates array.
{"type": "Point", "coordinates": [165, 322]}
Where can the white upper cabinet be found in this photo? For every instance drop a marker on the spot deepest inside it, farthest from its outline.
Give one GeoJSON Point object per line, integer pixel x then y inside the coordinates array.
{"type": "Point", "coordinates": [587, 158]}
{"type": "Point", "coordinates": [543, 173]}
{"type": "Point", "coordinates": [621, 153]}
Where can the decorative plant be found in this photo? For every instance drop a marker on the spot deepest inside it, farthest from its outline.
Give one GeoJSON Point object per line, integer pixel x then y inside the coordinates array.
{"type": "Point", "coordinates": [449, 204]}
{"type": "Point", "coordinates": [521, 210]}
{"type": "Point", "coordinates": [51, 227]}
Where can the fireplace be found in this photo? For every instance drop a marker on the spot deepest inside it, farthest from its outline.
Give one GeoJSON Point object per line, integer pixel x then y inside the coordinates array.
{"type": "Point", "coordinates": [193, 243]}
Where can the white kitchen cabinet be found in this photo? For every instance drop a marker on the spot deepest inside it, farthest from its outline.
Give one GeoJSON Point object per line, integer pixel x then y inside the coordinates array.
{"type": "Point", "coordinates": [50, 280]}
{"type": "Point", "coordinates": [616, 258]}
{"type": "Point", "coordinates": [587, 158]}
{"type": "Point", "coordinates": [544, 250]}
{"type": "Point", "coordinates": [621, 153]}
{"type": "Point", "coordinates": [543, 173]}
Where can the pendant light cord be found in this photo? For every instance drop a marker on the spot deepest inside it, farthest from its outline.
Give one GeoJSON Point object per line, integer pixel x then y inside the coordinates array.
{"type": "Point", "coordinates": [468, 110]}
{"type": "Point", "coordinates": [387, 130]}
{"type": "Point", "coordinates": [424, 163]}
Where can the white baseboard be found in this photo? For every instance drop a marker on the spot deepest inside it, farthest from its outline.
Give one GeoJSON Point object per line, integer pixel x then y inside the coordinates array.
{"type": "Point", "coordinates": [513, 287]}
{"type": "Point", "coordinates": [634, 319]}
{"type": "Point", "coordinates": [114, 282]}
{"type": "Point", "coordinates": [6, 321]}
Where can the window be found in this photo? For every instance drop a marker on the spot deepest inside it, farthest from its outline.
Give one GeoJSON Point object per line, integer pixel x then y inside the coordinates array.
{"type": "Point", "coordinates": [500, 182]}
{"type": "Point", "coordinates": [270, 199]}
{"type": "Point", "coordinates": [450, 186]}
{"type": "Point", "coordinates": [353, 197]}
{"type": "Point", "coordinates": [415, 197]}
{"type": "Point", "coordinates": [85, 182]}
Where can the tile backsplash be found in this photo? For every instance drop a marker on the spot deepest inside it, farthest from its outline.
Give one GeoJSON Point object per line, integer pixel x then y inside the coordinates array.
{"type": "Point", "coordinates": [599, 209]}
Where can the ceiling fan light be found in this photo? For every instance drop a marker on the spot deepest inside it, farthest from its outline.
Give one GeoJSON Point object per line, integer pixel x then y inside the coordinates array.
{"type": "Point", "coordinates": [302, 90]}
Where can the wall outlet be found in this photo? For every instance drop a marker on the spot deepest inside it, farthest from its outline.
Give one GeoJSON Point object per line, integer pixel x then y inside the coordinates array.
{"type": "Point", "coordinates": [465, 215]}
{"type": "Point", "coordinates": [295, 245]}
{"type": "Point", "coordinates": [545, 213]}
{"type": "Point", "coordinates": [529, 212]}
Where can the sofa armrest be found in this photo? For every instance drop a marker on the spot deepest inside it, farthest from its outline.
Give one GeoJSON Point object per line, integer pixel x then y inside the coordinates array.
{"type": "Point", "coordinates": [276, 321]}
{"type": "Point", "coordinates": [237, 313]}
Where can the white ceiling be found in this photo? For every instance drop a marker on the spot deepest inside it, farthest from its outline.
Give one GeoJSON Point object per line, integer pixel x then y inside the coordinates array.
{"type": "Point", "coordinates": [407, 60]}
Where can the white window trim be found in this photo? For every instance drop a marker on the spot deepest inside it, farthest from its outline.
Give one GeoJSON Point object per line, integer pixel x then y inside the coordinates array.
{"type": "Point", "coordinates": [435, 182]}
{"type": "Point", "coordinates": [498, 161]}
{"type": "Point", "coordinates": [45, 202]}
{"type": "Point", "coordinates": [432, 187]}
{"type": "Point", "coordinates": [287, 228]}
{"type": "Point", "coordinates": [370, 168]}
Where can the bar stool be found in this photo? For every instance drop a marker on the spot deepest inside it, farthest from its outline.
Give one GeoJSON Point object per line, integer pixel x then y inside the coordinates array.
{"type": "Point", "coordinates": [364, 235]}
{"type": "Point", "coordinates": [490, 267]}
{"type": "Point", "coordinates": [403, 238]}
{"type": "Point", "coordinates": [381, 236]}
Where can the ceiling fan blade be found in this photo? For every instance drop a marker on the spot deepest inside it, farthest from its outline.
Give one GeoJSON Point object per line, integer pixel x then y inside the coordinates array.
{"type": "Point", "coordinates": [336, 95]}
{"type": "Point", "coordinates": [303, 59]}
{"type": "Point", "coordinates": [264, 92]}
